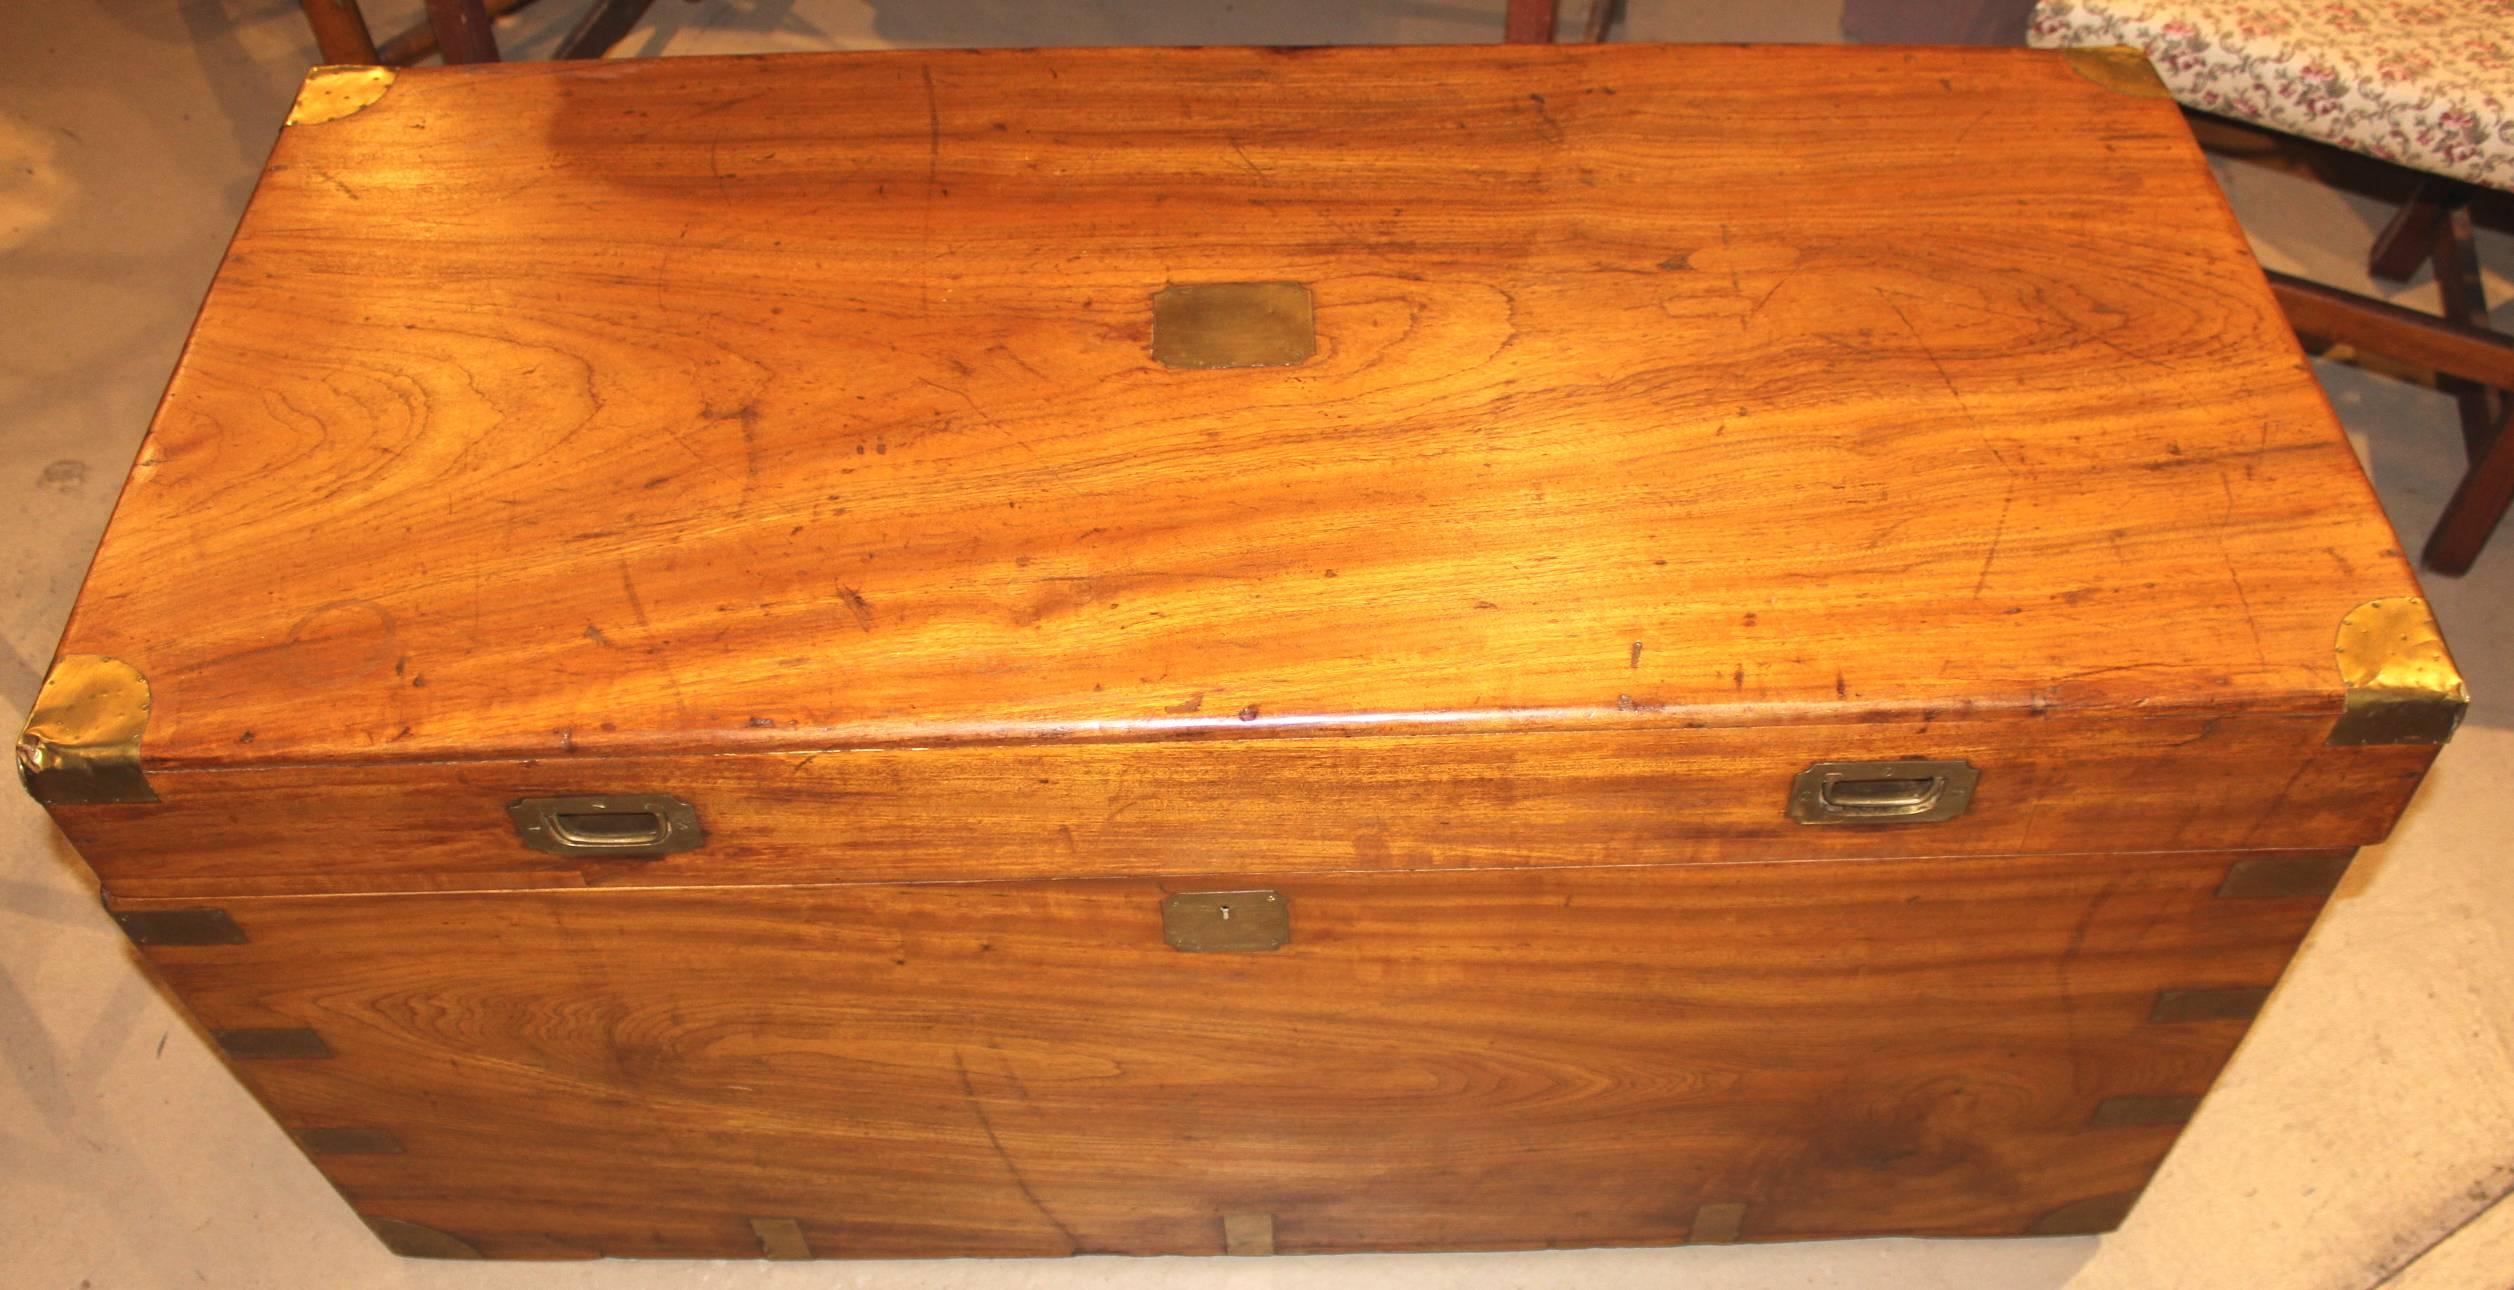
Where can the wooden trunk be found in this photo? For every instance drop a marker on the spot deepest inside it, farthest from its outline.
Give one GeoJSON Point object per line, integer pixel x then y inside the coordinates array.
{"type": "Point", "coordinates": [1182, 651]}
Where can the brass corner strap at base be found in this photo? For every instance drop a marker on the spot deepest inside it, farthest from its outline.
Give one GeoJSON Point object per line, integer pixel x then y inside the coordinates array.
{"type": "Point", "coordinates": [781, 1239]}
{"type": "Point", "coordinates": [337, 90]}
{"type": "Point", "coordinates": [2400, 681]}
{"type": "Point", "coordinates": [416, 1241]}
{"type": "Point", "coordinates": [81, 745]}
{"type": "Point", "coordinates": [1248, 1235]}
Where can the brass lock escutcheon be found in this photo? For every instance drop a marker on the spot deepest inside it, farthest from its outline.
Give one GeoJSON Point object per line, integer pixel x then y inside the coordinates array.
{"type": "Point", "coordinates": [1227, 922]}
{"type": "Point", "coordinates": [1882, 792]}
{"type": "Point", "coordinates": [623, 826]}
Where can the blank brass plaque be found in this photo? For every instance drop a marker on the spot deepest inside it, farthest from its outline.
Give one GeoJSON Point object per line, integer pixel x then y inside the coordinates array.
{"type": "Point", "coordinates": [1233, 324]}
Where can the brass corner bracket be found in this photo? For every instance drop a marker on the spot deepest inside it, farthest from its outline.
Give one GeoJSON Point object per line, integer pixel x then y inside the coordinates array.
{"type": "Point", "coordinates": [2401, 685]}
{"type": "Point", "coordinates": [337, 90]}
{"type": "Point", "coordinates": [81, 746]}
{"type": "Point", "coordinates": [2118, 68]}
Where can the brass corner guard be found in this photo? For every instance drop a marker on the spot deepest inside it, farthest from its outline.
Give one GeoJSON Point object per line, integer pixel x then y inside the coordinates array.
{"type": "Point", "coordinates": [2402, 687]}
{"type": "Point", "coordinates": [81, 746]}
{"type": "Point", "coordinates": [337, 90]}
{"type": "Point", "coordinates": [2118, 68]}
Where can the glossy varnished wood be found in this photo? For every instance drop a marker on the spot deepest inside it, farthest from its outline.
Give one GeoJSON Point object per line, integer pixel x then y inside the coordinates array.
{"type": "Point", "coordinates": [1419, 800]}
{"type": "Point", "coordinates": [1490, 1060]}
{"type": "Point", "coordinates": [785, 435]}
{"type": "Point", "coordinates": [799, 403]}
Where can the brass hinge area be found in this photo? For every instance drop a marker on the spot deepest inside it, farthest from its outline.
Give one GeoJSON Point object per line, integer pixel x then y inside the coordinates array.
{"type": "Point", "coordinates": [2400, 682]}
{"type": "Point", "coordinates": [81, 746]}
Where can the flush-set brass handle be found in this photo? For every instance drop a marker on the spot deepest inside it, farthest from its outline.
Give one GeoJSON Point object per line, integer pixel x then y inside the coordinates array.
{"type": "Point", "coordinates": [1882, 792]}
{"type": "Point", "coordinates": [618, 826]}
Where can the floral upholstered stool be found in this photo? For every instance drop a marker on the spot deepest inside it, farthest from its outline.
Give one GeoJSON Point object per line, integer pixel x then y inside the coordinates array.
{"type": "Point", "coordinates": [2428, 87]}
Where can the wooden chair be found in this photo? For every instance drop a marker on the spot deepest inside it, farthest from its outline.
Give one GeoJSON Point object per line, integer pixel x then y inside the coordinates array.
{"type": "Point", "coordinates": [2415, 85]}
{"type": "Point", "coordinates": [459, 29]}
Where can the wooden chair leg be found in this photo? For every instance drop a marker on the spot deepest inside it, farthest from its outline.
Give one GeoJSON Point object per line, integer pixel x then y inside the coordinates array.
{"type": "Point", "coordinates": [1528, 22]}
{"type": "Point", "coordinates": [2407, 241]}
{"type": "Point", "coordinates": [462, 31]}
{"type": "Point", "coordinates": [1602, 15]}
{"type": "Point", "coordinates": [2465, 304]}
{"type": "Point", "coordinates": [2477, 506]}
{"type": "Point", "coordinates": [414, 43]}
{"type": "Point", "coordinates": [340, 31]}
{"type": "Point", "coordinates": [602, 27]}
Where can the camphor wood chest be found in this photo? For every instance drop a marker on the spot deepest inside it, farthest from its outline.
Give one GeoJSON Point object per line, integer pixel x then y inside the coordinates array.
{"type": "Point", "coordinates": [1016, 653]}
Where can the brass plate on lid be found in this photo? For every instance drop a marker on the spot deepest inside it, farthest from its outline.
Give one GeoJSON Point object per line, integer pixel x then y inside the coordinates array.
{"type": "Point", "coordinates": [1233, 324]}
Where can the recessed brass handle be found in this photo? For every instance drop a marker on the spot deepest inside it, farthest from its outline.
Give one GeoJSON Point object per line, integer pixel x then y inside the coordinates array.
{"type": "Point", "coordinates": [1882, 792]}
{"type": "Point", "coordinates": [614, 826]}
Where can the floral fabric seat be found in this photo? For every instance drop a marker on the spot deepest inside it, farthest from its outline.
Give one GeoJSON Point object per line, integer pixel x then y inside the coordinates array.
{"type": "Point", "coordinates": [2426, 85]}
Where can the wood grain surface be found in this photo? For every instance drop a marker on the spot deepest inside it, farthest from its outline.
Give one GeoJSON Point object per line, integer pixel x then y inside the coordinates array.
{"type": "Point", "coordinates": [802, 403]}
{"type": "Point", "coordinates": [1286, 804]}
{"type": "Point", "coordinates": [1451, 1061]}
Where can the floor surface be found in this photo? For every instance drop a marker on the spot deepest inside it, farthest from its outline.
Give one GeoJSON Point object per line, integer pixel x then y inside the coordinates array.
{"type": "Point", "coordinates": [2363, 1138]}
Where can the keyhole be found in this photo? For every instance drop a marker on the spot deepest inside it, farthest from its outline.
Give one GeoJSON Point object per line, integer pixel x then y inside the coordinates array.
{"type": "Point", "coordinates": [1226, 913]}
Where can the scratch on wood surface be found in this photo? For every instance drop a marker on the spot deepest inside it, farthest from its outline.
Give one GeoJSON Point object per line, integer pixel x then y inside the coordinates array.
{"type": "Point", "coordinates": [1998, 534]}
{"type": "Point", "coordinates": [969, 1096]}
{"type": "Point", "coordinates": [933, 181]}
{"type": "Point", "coordinates": [2217, 534]}
{"type": "Point", "coordinates": [858, 606]}
{"type": "Point", "coordinates": [1246, 160]}
{"type": "Point", "coordinates": [1553, 128]}
{"type": "Point", "coordinates": [628, 584]}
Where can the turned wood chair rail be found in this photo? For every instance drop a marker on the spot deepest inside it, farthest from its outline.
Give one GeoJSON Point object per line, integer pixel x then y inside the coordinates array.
{"type": "Point", "coordinates": [2472, 363]}
{"type": "Point", "coordinates": [460, 30]}
{"type": "Point", "coordinates": [2410, 87]}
